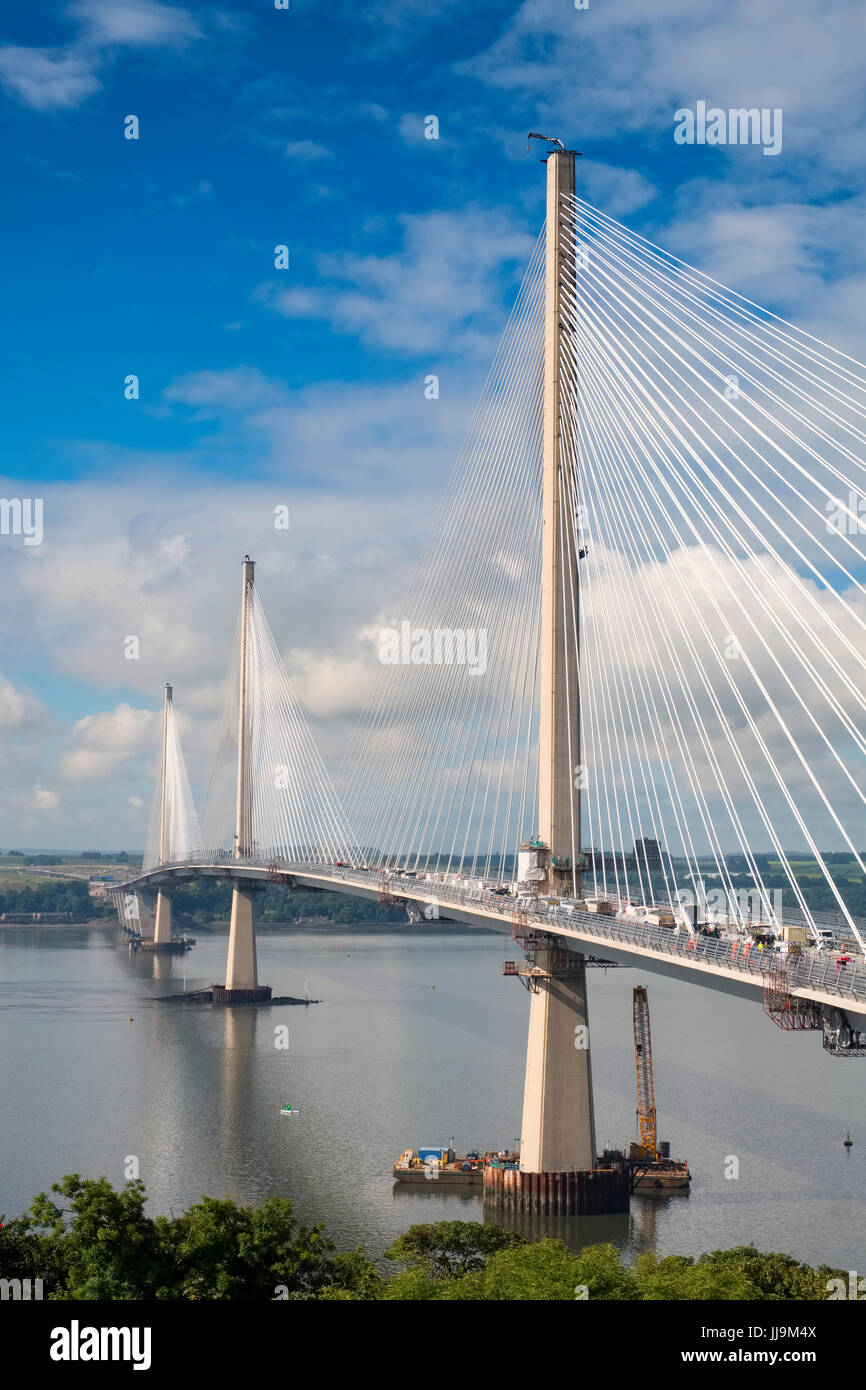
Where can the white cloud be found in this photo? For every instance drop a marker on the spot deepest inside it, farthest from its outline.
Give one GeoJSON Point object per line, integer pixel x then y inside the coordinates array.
{"type": "Point", "coordinates": [47, 79]}
{"type": "Point", "coordinates": [306, 150]}
{"type": "Point", "coordinates": [103, 743]}
{"type": "Point", "coordinates": [619, 191]}
{"type": "Point", "coordinates": [43, 800]}
{"type": "Point", "coordinates": [59, 79]}
{"type": "Point", "coordinates": [615, 70]}
{"type": "Point", "coordinates": [17, 711]}
{"type": "Point", "coordinates": [237, 388]}
{"type": "Point", "coordinates": [329, 685]}
{"type": "Point", "coordinates": [145, 22]}
{"type": "Point", "coordinates": [441, 293]}
{"type": "Point", "coordinates": [412, 130]}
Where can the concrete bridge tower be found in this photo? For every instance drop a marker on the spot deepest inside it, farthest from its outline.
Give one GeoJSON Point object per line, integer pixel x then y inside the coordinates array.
{"type": "Point", "coordinates": [162, 915]}
{"type": "Point", "coordinates": [558, 1133]}
{"type": "Point", "coordinates": [242, 980]}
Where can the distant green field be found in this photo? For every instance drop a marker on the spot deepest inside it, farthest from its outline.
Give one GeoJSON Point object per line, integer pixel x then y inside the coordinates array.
{"type": "Point", "coordinates": [23, 880]}
{"type": "Point", "coordinates": [808, 868]}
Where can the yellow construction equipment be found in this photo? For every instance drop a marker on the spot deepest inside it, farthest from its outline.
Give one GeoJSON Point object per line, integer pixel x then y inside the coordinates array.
{"type": "Point", "coordinates": [652, 1170]}
{"type": "Point", "coordinates": [643, 1060]}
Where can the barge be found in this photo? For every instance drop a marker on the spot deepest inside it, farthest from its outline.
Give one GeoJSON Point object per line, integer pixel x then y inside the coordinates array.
{"type": "Point", "coordinates": [445, 1166]}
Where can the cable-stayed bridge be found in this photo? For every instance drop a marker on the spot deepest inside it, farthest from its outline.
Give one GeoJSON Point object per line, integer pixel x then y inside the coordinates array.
{"type": "Point", "coordinates": [639, 621]}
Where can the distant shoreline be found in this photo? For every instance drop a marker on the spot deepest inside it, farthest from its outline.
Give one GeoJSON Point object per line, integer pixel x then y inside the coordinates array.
{"type": "Point", "coordinates": [315, 924]}
{"type": "Point", "coordinates": [325, 924]}
{"type": "Point", "coordinates": [57, 926]}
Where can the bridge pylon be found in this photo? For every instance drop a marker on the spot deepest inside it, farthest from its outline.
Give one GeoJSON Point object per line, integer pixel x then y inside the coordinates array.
{"type": "Point", "coordinates": [242, 978]}
{"type": "Point", "coordinates": [558, 1131]}
{"type": "Point", "coordinates": [162, 914]}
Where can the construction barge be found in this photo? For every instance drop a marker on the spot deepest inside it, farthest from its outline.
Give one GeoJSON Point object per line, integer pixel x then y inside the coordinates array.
{"type": "Point", "coordinates": [442, 1165]}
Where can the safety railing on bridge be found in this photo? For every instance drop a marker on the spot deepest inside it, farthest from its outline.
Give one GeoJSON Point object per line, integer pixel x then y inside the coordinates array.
{"type": "Point", "coordinates": [821, 973]}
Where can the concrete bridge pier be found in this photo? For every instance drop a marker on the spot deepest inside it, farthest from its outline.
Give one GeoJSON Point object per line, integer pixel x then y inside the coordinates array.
{"type": "Point", "coordinates": [242, 974]}
{"type": "Point", "coordinates": [558, 1174]}
{"type": "Point", "coordinates": [146, 905]}
{"type": "Point", "coordinates": [162, 920]}
{"type": "Point", "coordinates": [242, 967]}
{"type": "Point", "coordinates": [558, 1132]}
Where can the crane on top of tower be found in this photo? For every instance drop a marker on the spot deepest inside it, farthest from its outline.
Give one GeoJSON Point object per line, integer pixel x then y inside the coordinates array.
{"type": "Point", "coordinates": [551, 140]}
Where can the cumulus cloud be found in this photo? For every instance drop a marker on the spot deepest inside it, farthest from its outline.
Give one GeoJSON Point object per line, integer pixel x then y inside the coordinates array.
{"type": "Point", "coordinates": [18, 711]}
{"type": "Point", "coordinates": [627, 67]}
{"type": "Point", "coordinates": [142, 22]}
{"type": "Point", "coordinates": [58, 79]}
{"type": "Point", "coordinates": [329, 685]}
{"type": "Point", "coordinates": [43, 800]}
{"type": "Point", "coordinates": [103, 743]}
{"type": "Point", "coordinates": [441, 292]}
{"type": "Point", "coordinates": [47, 79]}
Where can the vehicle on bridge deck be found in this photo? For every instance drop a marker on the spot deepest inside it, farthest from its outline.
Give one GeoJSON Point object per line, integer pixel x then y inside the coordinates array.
{"type": "Point", "coordinates": [660, 916]}
{"type": "Point", "coordinates": [603, 906]}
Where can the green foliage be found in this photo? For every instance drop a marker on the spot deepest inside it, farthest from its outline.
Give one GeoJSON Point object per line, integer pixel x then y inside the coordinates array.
{"type": "Point", "coordinates": [679, 1277]}
{"type": "Point", "coordinates": [104, 1245]}
{"type": "Point", "coordinates": [451, 1247]}
{"type": "Point", "coordinates": [545, 1270]}
{"type": "Point", "coordinates": [97, 1243]}
{"type": "Point", "coordinates": [209, 900]}
{"type": "Point", "coordinates": [773, 1276]}
{"type": "Point", "coordinates": [55, 895]}
{"type": "Point", "coordinates": [225, 1251]}
{"type": "Point", "coordinates": [88, 1241]}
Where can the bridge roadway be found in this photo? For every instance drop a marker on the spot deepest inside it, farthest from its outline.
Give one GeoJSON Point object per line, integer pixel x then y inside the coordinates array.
{"type": "Point", "coordinates": [700, 960]}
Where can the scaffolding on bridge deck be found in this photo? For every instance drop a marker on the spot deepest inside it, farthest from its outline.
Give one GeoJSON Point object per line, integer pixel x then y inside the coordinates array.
{"type": "Point", "coordinates": [562, 963]}
{"type": "Point", "coordinates": [787, 1010]}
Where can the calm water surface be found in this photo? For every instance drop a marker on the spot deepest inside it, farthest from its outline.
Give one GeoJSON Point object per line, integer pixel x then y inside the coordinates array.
{"type": "Point", "coordinates": [419, 1038]}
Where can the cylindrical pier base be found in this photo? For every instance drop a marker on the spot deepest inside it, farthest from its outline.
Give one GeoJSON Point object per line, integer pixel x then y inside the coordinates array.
{"type": "Point", "coordinates": [259, 994]}
{"type": "Point", "coordinates": [588, 1192]}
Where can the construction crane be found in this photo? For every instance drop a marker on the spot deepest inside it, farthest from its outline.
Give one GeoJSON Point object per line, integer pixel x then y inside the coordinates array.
{"type": "Point", "coordinates": [643, 1061]}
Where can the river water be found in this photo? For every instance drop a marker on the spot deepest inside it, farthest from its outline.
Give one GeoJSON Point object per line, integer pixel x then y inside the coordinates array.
{"type": "Point", "coordinates": [418, 1038]}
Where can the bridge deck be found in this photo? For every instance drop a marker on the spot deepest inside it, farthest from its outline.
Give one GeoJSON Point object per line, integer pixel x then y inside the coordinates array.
{"type": "Point", "coordinates": [699, 959]}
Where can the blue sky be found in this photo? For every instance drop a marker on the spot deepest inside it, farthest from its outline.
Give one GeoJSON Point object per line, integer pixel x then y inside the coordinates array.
{"type": "Point", "coordinates": [304, 387]}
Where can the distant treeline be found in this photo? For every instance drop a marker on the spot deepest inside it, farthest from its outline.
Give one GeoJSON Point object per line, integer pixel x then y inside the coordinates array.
{"type": "Point", "coordinates": [55, 895]}
{"type": "Point", "coordinates": [89, 857]}
{"type": "Point", "coordinates": [209, 900]}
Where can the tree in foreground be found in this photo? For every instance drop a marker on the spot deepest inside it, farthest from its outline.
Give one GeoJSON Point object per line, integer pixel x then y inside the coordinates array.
{"type": "Point", "coordinates": [89, 1241]}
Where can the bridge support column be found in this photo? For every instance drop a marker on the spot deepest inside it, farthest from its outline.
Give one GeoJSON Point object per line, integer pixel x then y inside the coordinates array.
{"type": "Point", "coordinates": [143, 916]}
{"type": "Point", "coordinates": [242, 968]}
{"type": "Point", "coordinates": [559, 756]}
{"type": "Point", "coordinates": [558, 1133]}
{"type": "Point", "coordinates": [242, 976]}
{"type": "Point", "coordinates": [162, 920]}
